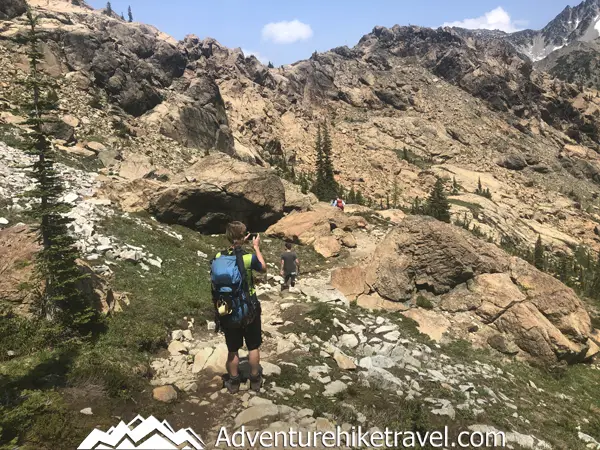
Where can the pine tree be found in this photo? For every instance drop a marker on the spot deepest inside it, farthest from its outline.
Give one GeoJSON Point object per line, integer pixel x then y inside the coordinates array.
{"type": "Point", "coordinates": [437, 203]}
{"type": "Point", "coordinates": [395, 194]}
{"type": "Point", "coordinates": [108, 11]}
{"type": "Point", "coordinates": [416, 207]}
{"type": "Point", "coordinates": [270, 65]}
{"type": "Point", "coordinates": [352, 196]}
{"type": "Point", "coordinates": [360, 200]}
{"type": "Point", "coordinates": [481, 191]}
{"type": "Point", "coordinates": [130, 14]}
{"type": "Point", "coordinates": [122, 17]}
{"type": "Point", "coordinates": [328, 172]}
{"type": "Point", "coordinates": [317, 187]}
{"type": "Point", "coordinates": [538, 254]}
{"type": "Point", "coordinates": [325, 187]}
{"type": "Point", "coordinates": [454, 186]}
{"type": "Point", "coordinates": [56, 262]}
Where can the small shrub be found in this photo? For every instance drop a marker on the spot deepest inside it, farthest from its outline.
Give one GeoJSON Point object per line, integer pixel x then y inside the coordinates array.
{"type": "Point", "coordinates": [424, 302]}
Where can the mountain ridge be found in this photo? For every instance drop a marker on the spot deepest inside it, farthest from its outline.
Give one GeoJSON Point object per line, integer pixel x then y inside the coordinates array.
{"type": "Point", "coordinates": [469, 108]}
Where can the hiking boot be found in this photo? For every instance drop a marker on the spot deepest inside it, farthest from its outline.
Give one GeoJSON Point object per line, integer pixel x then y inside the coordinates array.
{"type": "Point", "coordinates": [256, 382]}
{"type": "Point", "coordinates": [233, 384]}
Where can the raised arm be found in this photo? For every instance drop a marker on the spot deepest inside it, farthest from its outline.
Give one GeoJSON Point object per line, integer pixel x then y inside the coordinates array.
{"type": "Point", "coordinates": [259, 256]}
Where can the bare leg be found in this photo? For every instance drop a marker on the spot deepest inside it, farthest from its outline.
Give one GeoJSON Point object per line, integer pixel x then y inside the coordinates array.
{"type": "Point", "coordinates": [254, 359]}
{"type": "Point", "coordinates": [233, 362]}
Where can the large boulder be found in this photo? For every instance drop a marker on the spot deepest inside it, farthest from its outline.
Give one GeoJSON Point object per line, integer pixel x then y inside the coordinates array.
{"type": "Point", "coordinates": [306, 227]}
{"type": "Point", "coordinates": [542, 316]}
{"type": "Point", "coordinates": [12, 8]}
{"type": "Point", "coordinates": [295, 200]}
{"type": "Point", "coordinates": [18, 248]}
{"type": "Point", "coordinates": [217, 190]}
{"type": "Point", "coordinates": [423, 253]}
{"type": "Point", "coordinates": [513, 162]}
{"type": "Point", "coordinates": [59, 129]}
{"type": "Point", "coordinates": [19, 286]}
{"type": "Point", "coordinates": [350, 281]}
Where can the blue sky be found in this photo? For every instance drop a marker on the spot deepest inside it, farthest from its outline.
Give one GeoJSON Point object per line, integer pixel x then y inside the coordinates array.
{"type": "Point", "coordinates": [284, 31]}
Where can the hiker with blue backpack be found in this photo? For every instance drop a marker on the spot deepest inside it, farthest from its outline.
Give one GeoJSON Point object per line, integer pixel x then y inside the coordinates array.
{"type": "Point", "coordinates": [237, 309]}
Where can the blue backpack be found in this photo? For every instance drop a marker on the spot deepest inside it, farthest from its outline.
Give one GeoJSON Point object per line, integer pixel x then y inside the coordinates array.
{"type": "Point", "coordinates": [231, 296]}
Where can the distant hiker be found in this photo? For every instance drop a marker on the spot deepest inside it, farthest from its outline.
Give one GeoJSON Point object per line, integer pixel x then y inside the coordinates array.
{"type": "Point", "coordinates": [237, 309]}
{"type": "Point", "coordinates": [339, 203]}
{"type": "Point", "coordinates": [289, 267]}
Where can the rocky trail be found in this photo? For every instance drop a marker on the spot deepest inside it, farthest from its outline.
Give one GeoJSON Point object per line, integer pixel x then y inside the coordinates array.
{"type": "Point", "coordinates": [329, 363]}
{"type": "Point", "coordinates": [327, 360]}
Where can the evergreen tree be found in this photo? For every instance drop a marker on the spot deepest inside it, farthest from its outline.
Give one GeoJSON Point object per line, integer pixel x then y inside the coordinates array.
{"type": "Point", "coordinates": [416, 207]}
{"type": "Point", "coordinates": [325, 187]}
{"type": "Point", "coordinates": [108, 11]}
{"type": "Point", "coordinates": [328, 172]}
{"type": "Point", "coordinates": [270, 65]}
{"type": "Point", "coordinates": [122, 17]}
{"type": "Point", "coordinates": [481, 191]}
{"type": "Point", "coordinates": [130, 14]}
{"type": "Point", "coordinates": [360, 200]}
{"type": "Point", "coordinates": [395, 194]}
{"type": "Point", "coordinates": [437, 203]}
{"type": "Point", "coordinates": [538, 254]}
{"type": "Point", "coordinates": [318, 186]}
{"type": "Point", "coordinates": [61, 301]}
{"type": "Point", "coordinates": [563, 272]}
{"type": "Point", "coordinates": [351, 196]}
{"type": "Point", "coordinates": [455, 186]}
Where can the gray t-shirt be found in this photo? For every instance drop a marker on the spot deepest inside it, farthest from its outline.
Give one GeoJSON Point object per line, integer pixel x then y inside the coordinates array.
{"type": "Point", "coordinates": [289, 262]}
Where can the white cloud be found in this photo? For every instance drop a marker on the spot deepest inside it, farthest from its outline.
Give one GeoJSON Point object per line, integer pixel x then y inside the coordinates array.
{"type": "Point", "coordinates": [497, 19]}
{"type": "Point", "coordinates": [287, 32]}
{"type": "Point", "coordinates": [258, 56]}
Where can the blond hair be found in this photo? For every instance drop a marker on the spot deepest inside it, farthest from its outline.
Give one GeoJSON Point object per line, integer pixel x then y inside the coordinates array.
{"type": "Point", "coordinates": [235, 233]}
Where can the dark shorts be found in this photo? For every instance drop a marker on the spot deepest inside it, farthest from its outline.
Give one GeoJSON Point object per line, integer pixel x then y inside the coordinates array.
{"type": "Point", "coordinates": [289, 279]}
{"type": "Point", "coordinates": [251, 333]}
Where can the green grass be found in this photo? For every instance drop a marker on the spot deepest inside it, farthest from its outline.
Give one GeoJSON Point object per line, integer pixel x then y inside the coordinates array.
{"type": "Point", "coordinates": [95, 138]}
{"type": "Point", "coordinates": [116, 364]}
{"type": "Point", "coordinates": [423, 302]}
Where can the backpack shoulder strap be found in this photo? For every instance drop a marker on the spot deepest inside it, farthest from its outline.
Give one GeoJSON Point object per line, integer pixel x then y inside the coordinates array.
{"type": "Point", "coordinates": [239, 254]}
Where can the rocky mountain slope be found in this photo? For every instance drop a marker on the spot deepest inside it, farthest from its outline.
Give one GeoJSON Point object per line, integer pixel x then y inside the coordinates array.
{"type": "Point", "coordinates": [464, 107]}
{"type": "Point", "coordinates": [576, 63]}
{"type": "Point", "coordinates": [574, 24]}
{"type": "Point", "coordinates": [398, 321]}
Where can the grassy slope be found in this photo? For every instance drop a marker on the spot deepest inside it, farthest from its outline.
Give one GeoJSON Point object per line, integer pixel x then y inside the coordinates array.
{"type": "Point", "coordinates": [45, 386]}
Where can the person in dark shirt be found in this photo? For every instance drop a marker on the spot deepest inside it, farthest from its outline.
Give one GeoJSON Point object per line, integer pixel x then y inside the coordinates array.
{"type": "Point", "coordinates": [289, 267]}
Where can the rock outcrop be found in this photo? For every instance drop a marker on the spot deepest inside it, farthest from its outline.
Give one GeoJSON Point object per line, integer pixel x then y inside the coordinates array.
{"type": "Point", "coordinates": [10, 9]}
{"type": "Point", "coordinates": [543, 317]}
{"type": "Point", "coordinates": [326, 228]}
{"type": "Point", "coordinates": [17, 252]}
{"type": "Point", "coordinates": [461, 103]}
{"type": "Point", "coordinates": [219, 189]}
{"type": "Point", "coordinates": [19, 285]}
